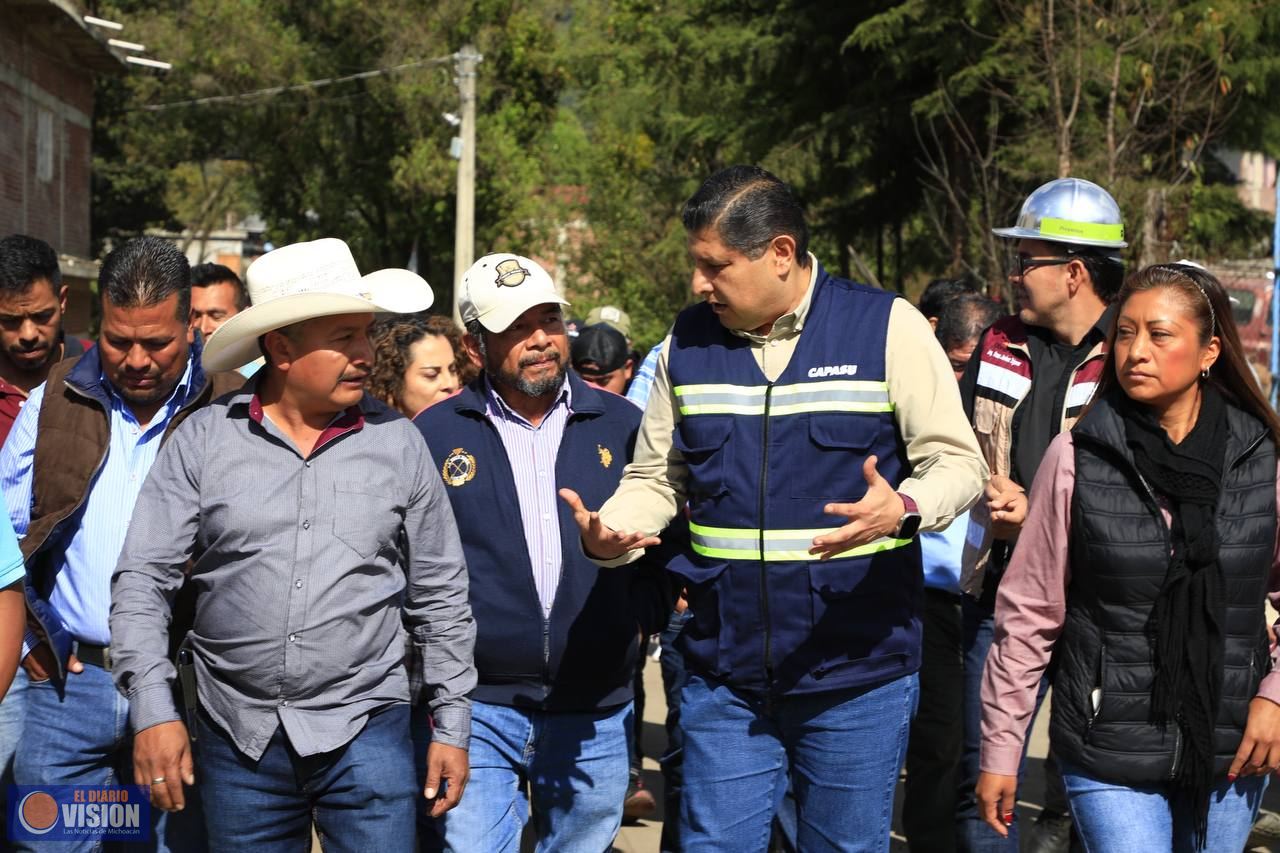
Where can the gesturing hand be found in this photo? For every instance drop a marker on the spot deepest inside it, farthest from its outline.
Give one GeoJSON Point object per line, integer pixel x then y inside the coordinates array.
{"type": "Point", "coordinates": [876, 515]}
{"type": "Point", "coordinates": [598, 540]}
{"type": "Point", "coordinates": [162, 760]}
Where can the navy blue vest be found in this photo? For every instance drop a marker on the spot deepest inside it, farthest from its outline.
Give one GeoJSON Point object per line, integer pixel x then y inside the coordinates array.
{"type": "Point", "coordinates": [764, 458]}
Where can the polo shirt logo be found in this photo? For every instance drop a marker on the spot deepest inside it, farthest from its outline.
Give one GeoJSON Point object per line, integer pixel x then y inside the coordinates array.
{"type": "Point", "coordinates": [606, 455]}
{"type": "Point", "coordinates": [459, 467]}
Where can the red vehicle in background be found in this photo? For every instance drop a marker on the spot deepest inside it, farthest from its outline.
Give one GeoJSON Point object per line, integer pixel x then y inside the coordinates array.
{"type": "Point", "coordinates": [1249, 284]}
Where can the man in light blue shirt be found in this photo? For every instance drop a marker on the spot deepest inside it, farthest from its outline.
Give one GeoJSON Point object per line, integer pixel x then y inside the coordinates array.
{"type": "Point", "coordinates": [11, 611]}
{"type": "Point", "coordinates": [71, 470]}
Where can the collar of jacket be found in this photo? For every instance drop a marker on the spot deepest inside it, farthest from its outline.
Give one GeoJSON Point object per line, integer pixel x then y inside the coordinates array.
{"type": "Point", "coordinates": [86, 377]}
{"type": "Point", "coordinates": [588, 400]}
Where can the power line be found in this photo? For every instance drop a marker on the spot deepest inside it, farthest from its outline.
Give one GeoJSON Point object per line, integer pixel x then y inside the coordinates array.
{"type": "Point", "coordinates": [297, 87]}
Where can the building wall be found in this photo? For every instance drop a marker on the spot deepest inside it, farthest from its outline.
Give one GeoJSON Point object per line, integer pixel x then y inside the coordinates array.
{"type": "Point", "coordinates": [1256, 176]}
{"type": "Point", "coordinates": [46, 108]}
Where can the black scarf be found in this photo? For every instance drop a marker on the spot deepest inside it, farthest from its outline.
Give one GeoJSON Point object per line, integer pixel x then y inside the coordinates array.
{"type": "Point", "coordinates": [1186, 623]}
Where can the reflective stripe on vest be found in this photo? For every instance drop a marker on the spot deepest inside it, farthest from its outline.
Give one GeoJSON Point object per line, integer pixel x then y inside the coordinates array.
{"type": "Point", "coordinates": [726, 543]}
{"type": "Point", "coordinates": [838, 395]}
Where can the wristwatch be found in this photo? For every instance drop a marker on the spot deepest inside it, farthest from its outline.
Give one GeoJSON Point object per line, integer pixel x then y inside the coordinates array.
{"type": "Point", "coordinates": [909, 523]}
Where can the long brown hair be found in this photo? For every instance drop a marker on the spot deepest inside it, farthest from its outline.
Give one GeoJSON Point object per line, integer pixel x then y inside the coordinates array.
{"type": "Point", "coordinates": [1199, 291]}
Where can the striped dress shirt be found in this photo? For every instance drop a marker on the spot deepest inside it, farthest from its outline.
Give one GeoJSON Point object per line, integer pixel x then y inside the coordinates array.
{"type": "Point", "coordinates": [532, 451]}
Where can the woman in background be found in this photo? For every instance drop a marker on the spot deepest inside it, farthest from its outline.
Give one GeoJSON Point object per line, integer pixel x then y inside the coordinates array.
{"type": "Point", "coordinates": [419, 360]}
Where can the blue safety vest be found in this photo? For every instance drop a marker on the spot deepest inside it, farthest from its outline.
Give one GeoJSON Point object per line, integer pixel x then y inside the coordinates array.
{"type": "Point", "coordinates": [763, 459]}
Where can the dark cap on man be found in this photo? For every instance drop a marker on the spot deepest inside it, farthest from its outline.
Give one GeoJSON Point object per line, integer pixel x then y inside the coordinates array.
{"type": "Point", "coordinates": [599, 349]}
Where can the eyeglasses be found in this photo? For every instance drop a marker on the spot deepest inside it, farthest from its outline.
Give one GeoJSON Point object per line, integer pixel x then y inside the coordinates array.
{"type": "Point", "coordinates": [1025, 263]}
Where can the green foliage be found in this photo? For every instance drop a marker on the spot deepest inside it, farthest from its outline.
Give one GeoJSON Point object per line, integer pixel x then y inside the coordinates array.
{"type": "Point", "coordinates": [1213, 223]}
{"type": "Point", "coordinates": [909, 128]}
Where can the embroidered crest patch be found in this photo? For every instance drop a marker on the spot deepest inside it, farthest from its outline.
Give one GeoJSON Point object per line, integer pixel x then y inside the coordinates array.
{"type": "Point", "coordinates": [459, 467]}
{"type": "Point", "coordinates": [510, 273]}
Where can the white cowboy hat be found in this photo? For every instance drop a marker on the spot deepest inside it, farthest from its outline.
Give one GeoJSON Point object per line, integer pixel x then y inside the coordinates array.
{"type": "Point", "coordinates": [304, 281]}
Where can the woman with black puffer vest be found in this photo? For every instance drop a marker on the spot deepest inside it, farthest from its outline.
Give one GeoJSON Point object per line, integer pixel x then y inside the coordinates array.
{"type": "Point", "coordinates": [1144, 567]}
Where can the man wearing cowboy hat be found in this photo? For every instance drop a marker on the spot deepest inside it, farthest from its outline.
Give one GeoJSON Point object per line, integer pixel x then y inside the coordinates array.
{"type": "Point", "coordinates": [316, 526]}
{"type": "Point", "coordinates": [557, 637]}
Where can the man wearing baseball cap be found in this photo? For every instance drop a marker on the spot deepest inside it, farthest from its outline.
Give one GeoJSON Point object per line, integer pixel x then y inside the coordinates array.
{"type": "Point", "coordinates": [601, 357]}
{"type": "Point", "coordinates": [1030, 377]}
{"type": "Point", "coordinates": [611, 315]}
{"type": "Point", "coordinates": [317, 533]}
{"type": "Point", "coordinates": [557, 637]}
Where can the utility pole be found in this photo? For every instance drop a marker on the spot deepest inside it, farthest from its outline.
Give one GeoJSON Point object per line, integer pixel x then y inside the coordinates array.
{"type": "Point", "coordinates": [465, 228]}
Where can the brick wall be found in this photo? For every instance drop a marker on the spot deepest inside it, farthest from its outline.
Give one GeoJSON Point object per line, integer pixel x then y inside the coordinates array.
{"type": "Point", "coordinates": [46, 104]}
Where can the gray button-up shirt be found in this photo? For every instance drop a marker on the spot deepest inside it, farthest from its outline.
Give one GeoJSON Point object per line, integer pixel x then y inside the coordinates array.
{"type": "Point", "coordinates": [305, 587]}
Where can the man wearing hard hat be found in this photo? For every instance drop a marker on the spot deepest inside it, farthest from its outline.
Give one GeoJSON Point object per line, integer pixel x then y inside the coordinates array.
{"type": "Point", "coordinates": [1031, 377]}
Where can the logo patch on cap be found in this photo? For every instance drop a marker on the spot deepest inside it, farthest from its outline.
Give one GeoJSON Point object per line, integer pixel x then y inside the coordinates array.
{"type": "Point", "coordinates": [510, 273]}
{"type": "Point", "coordinates": [459, 467]}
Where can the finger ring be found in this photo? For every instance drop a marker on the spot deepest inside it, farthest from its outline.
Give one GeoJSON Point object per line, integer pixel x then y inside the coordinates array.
{"type": "Point", "coordinates": [157, 780]}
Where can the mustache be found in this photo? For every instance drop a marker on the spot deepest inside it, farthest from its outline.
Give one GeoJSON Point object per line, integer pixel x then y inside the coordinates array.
{"type": "Point", "coordinates": [541, 358]}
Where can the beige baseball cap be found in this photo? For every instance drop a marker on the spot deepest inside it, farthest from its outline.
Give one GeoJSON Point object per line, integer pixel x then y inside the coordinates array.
{"type": "Point", "coordinates": [612, 315]}
{"type": "Point", "coordinates": [500, 287]}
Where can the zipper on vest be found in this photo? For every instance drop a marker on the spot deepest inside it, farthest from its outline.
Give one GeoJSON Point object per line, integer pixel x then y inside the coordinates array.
{"type": "Point", "coordinates": [546, 649]}
{"type": "Point", "coordinates": [764, 579]}
{"type": "Point", "coordinates": [1097, 696]}
{"type": "Point", "coordinates": [1177, 751]}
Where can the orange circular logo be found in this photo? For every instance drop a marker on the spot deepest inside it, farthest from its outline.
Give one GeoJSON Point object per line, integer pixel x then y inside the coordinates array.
{"type": "Point", "coordinates": [38, 812]}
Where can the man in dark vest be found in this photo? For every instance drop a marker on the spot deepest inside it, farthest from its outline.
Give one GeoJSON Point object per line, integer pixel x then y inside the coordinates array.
{"type": "Point", "coordinates": [814, 428]}
{"type": "Point", "coordinates": [1031, 377]}
{"type": "Point", "coordinates": [71, 469]}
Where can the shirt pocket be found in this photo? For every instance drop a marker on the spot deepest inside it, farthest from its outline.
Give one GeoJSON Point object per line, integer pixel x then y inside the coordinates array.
{"type": "Point", "coordinates": [366, 519]}
{"type": "Point", "coordinates": [838, 445]}
{"type": "Point", "coordinates": [702, 442]}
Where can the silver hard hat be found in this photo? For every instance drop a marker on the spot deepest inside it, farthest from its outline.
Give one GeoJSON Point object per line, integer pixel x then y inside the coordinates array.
{"type": "Point", "coordinates": [1069, 210]}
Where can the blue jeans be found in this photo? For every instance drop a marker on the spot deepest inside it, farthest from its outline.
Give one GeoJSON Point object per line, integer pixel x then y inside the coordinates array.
{"type": "Point", "coordinates": [674, 676]}
{"type": "Point", "coordinates": [361, 795]}
{"type": "Point", "coordinates": [12, 717]}
{"type": "Point", "coordinates": [574, 763]}
{"type": "Point", "coordinates": [1117, 817]}
{"type": "Point", "coordinates": [81, 736]}
{"type": "Point", "coordinates": [973, 835]}
{"type": "Point", "coordinates": [843, 750]}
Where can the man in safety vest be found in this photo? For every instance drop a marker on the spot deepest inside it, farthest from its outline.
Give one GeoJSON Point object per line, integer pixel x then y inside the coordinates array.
{"type": "Point", "coordinates": [1031, 377]}
{"type": "Point", "coordinates": [813, 427]}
